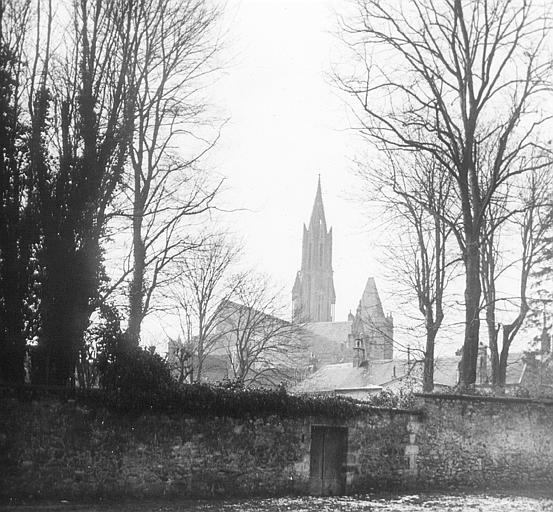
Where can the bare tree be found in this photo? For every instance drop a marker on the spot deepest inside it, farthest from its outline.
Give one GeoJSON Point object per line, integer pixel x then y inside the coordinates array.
{"type": "Point", "coordinates": [260, 345]}
{"type": "Point", "coordinates": [205, 281]}
{"type": "Point", "coordinates": [417, 195]}
{"type": "Point", "coordinates": [180, 358]}
{"type": "Point", "coordinates": [172, 49]}
{"type": "Point", "coordinates": [451, 79]}
{"type": "Point", "coordinates": [532, 220]}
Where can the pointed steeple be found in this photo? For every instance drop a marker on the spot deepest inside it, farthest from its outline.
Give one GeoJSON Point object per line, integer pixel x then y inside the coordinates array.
{"type": "Point", "coordinates": [372, 324]}
{"type": "Point", "coordinates": [370, 301]}
{"type": "Point", "coordinates": [318, 213]}
{"type": "Point", "coordinates": [313, 294]}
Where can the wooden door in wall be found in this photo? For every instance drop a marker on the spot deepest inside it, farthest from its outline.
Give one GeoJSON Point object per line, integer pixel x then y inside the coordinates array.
{"type": "Point", "coordinates": [329, 446]}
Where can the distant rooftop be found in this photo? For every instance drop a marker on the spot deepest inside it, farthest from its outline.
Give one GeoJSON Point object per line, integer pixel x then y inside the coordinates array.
{"type": "Point", "coordinates": [343, 376]}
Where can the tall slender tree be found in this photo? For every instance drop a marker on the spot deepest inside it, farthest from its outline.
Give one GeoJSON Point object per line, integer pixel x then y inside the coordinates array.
{"type": "Point", "coordinates": [452, 79]}
{"type": "Point", "coordinates": [529, 219]}
{"type": "Point", "coordinates": [173, 44]}
{"type": "Point", "coordinates": [416, 197]}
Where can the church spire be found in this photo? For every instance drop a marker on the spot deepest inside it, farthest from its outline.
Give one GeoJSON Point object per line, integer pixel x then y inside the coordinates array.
{"type": "Point", "coordinates": [313, 294]}
{"type": "Point", "coordinates": [318, 212]}
{"type": "Point", "coordinates": [370, 301]}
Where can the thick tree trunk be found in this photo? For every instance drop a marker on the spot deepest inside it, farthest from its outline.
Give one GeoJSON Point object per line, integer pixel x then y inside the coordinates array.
{"type": "Point", "coordinates": [136, 292]}
{"type": "Point", "coordinates": [509, 332]}
{"type": "Point", "coordinates": [12, 358]}
{"type": "Point", "coordinates": [494, 350]}
{"type": "Point", "coordinates": [201, 358]}
{"type": "Point", "coordinates": [69, 288]}
{"type": "Point", "coordinates": [467, 374]}
{"type": "Point", "coordinates": [428, 377]}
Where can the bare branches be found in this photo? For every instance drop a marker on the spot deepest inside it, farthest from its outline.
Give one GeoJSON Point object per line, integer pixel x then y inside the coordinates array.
{"type": "Point", "coordinates": [205, 281]}
{"type": "Point", "coordinates": [171, 48]}
{"type": "Point", "coordinates": [417, 194]}
{"type": "Point", "coordinates": [454, 80]}
{"type": "Point", "coordinates": [259, 344]}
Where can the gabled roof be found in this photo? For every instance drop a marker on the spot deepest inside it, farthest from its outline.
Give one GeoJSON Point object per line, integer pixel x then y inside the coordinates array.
{"type": "Point", "coordinates": [230, 308]}
{"type": "Point", "coordinates": [334, 331]}
{"type": "Point", "coordinates": [334, 377]}
{"type": "Point", "coordinates": [328, 340]}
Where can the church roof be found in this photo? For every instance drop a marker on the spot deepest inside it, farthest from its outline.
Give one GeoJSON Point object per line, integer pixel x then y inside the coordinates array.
{"type": "Point", "coordinates": [327, 341]}
{"type": "Point", "coordinates": [370, 300]}
{"type": "Point", "coordinates": [334, 331]}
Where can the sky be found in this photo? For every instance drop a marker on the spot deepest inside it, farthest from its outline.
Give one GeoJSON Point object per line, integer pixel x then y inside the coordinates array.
{"type": "Point", "coordinates": [288, 123]}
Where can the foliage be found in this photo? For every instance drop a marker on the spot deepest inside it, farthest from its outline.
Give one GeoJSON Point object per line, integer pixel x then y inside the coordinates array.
{"type": "Point", "coordinates": [128, 376]}
{"type": "Point", "coordinates": [401, 399]}
{"type": "Point", "coordinates": [139, 384]}
{"type": "Point", "coordinates": [222, 400]}
{"type": "Point", "coordinates": [17, 213]}
{"type": "Point", "coordinates": [135, 378]}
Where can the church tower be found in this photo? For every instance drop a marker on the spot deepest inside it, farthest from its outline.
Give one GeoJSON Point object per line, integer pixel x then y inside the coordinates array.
{"type": "Point", "coordinates": [372, 326]}
{"type": "Point", "coordinates": [313, 295]}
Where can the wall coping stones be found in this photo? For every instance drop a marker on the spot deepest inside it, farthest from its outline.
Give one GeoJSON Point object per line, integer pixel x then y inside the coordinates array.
{"type": "Point", "coordinates": [483, 398]}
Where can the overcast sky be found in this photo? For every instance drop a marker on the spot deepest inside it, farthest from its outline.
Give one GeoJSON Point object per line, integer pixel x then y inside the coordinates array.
{"type": "Point", "coordinates": [288, 123]}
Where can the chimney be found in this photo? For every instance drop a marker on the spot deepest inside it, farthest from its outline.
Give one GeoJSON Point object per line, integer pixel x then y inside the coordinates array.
{"type": "Point", "coordinates": [359, 353]}
{"type": "Point", "coordinates": [482, 364]}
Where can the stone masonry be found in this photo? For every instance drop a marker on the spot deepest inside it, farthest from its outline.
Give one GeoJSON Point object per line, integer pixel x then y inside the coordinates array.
{"type": "Point", "coordinates": [56, 449]}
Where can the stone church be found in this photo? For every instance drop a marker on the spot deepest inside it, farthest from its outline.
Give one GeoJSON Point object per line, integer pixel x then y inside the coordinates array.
{"type": "Point", "coordinates": [313, 298]}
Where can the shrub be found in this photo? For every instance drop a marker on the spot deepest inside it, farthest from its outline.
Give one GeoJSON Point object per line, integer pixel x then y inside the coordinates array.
{"type": "Point", "coordinates": [134, 378]}
{"type": "Point", "coordinates": [402, 399]}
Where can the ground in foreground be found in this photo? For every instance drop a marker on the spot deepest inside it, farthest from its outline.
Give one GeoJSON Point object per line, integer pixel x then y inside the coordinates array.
{"type": "Point", "coordinates": [412, 503]}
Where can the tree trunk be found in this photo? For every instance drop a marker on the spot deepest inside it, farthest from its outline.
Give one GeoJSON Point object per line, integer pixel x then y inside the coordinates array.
{"type": "Point", "coordinates": [467, 374]}
{"type": "Point", "coordinates": [502, 367]}
{"type": "Point", "coordinates": [136, 292]}
{"type": "Point", "coordinates": [12, 358]}
{"type": "Point", "coordinates": [428, 377]}
{"type": "Point", "coordinates": [493, 332]}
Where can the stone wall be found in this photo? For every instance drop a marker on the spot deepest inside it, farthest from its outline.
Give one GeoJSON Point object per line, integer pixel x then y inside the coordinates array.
{"type": "Point", "coordinates": [55, 449]}
{"type": "Point", "coordinates": [61, 450]}
{"type": "Point", "coordinates": [378, 448]}
{"type": "Point", "coordinates": [484, 442]}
